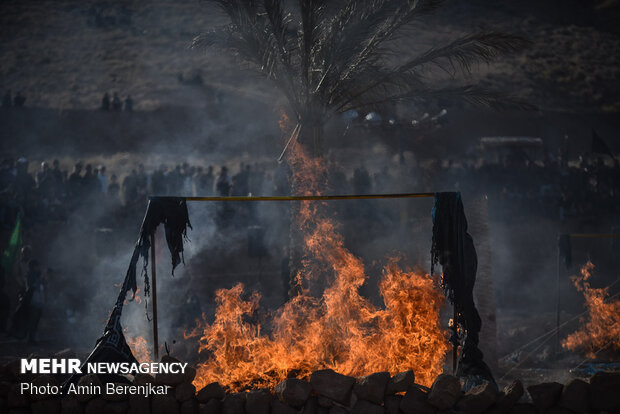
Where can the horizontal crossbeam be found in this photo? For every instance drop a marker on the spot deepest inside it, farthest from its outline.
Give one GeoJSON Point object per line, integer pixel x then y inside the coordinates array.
{"type": "Point", "coordinates": [306, 197]}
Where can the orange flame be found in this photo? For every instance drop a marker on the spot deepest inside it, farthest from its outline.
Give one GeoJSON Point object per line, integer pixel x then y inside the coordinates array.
{"type": "Point", "coordinates": [340, 330]}
{"type": "Point", "coordinates": [601, 327]}
{"type": "Point", "coordinates": [140, 348]}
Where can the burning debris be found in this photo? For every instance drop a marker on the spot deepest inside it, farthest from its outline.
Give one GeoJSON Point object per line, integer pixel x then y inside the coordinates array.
{"type": "Point", "coordinates": [600, 329]}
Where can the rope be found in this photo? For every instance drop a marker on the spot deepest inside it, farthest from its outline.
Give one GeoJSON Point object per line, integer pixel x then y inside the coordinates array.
{"type": "Point", "coordinates": [550, 335]}
{"type": "Point", "coordinates": [595, 235]}
{"type": "Point", "coordinates": [604, 347]}
{"type": "Point", "coordinates": [307, 198]}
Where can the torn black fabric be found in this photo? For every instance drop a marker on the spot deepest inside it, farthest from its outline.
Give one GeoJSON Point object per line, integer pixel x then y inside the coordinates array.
{"type": "Point", "coordinates": [172, 213]}
{"type": "Point", "coordinates": [453, 248]}
{"type": "Point", "coordinates": [112, 346]}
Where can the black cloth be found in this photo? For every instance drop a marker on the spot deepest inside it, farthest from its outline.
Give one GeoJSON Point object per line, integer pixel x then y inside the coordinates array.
{"type": "Point", "coordinates": [172, 212]}
{"type": "Point", "coordinates": [453, 248]}
{"type": "Point", "coordinates": [112, 346]}
{"type": "Point", "coordinates": [599, 146]}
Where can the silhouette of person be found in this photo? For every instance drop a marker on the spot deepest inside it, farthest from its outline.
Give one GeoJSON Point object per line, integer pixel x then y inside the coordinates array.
{"type": "Point", "coordinates": [117, 105]}
{"type": "Point", "coordinates": [105, 102]}
{"type": "Point", "coordinates": [7, 99]}
{"type": "Point", "coordinates": [128, 104]}
{"type": "Point", "coordinates": [19, 100]}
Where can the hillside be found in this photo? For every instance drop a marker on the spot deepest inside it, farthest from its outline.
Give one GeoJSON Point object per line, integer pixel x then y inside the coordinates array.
{"type": "Point", "coordinates": [67, 53]}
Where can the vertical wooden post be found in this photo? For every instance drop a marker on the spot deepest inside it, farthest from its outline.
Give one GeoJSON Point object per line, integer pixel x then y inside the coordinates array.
{"type": "Point", "coordinates": [557, 314]}
{"type": "Point", "coordinates": [154, 294]}
{"type": "Point", "coordinates": [455, 337]}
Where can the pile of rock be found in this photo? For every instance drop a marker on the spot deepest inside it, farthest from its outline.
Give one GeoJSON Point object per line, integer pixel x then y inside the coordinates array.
{"type": "Point", "coordinates": [326, 392]}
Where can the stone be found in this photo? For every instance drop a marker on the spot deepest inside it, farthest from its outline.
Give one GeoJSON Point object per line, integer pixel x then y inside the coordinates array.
{"type": "Point", "coordinates": [43, 381]}
{"type": "Point", "coordinates": [95, 406]}
{"type": "Point", "coordinates": [478, 399]}
{"type": "Point", "coordinates": [49, 406]}
{"type": "Point", "coordinates": [523, 408]}
{"type": "Point", "coordinates": [352, 400]}
{"type": "Point", "coordinates": [70, 405]}
{"type": "Point", "coordinates": [336, 409]}
{"type": "Point", "coordinates": [559, 410]}
{"type": "Point", "coordinates": [325, 402]}
{"type": "Point", "coordinates": [576, 396]}
{"type": "Point", "coordinates": [15, 398]}
{"type": "Point", "coordinates": [13, 373]}
{"type": "Point", "coordinates": [511, 395]}
{"type": "Point", "coordinates": [190, 374]}
{"type": "Point", "coordinates": [190, 406]}
{"type": "Point", "coordinates": [184, 391]}
{"type": "Point", "coordinates": [164, 404]}
{"type": "Point", "coordinates": [143, 379]}
{"type": "Point", "coordinates": [495, 410]}
{"type": "Point", "coordinates": [445, 391]}
{"type": "Point", "coordinates": [258, 402]}
{"type": "Point", "coordinates": [604, 394]}
{"type": "Point", "coordinates": [88, 380]}
{"type": "Point", "coordinates": [311, 406]}
{"type": "Point", "coordinates": [213, 390]}
{"type": "Point", "coordinates": [171, 379]}
{"type": "Point", "coordinates": [65, 354]}
{"type": "Point", "coordinates": [278, 407]}
{"type": "Point", "coordinates": [545, 395]}
{"type": "Point", "coordinates": [116, 407]}
{"type": "Point", "coordinates": [114, 396]}
{"type": "Point", "coordinates": [21, 410]}
{"type": "Point", "coordinates": [293, 392]}
{"type": "Point", "coordinates": [415, 401]}
{"type": "Point", "coordinates": [366, 407]}
{"type": "Point", "coordinates": [400, 382]}
{"type": "Point", "coordinates": [372, 387]}
{"type": "Point", "coordinates": [233, 404]}
{"type": "Point", "coordinates": [213, 406]}
{"type": "Point", "coordinates": [391, 403]}
{"type": "Point", "coordinates": [139, 404]}
{"type": "Point", "coordinates": [330, 384]}
{"type": "Point", "coordinates": [5, 387]}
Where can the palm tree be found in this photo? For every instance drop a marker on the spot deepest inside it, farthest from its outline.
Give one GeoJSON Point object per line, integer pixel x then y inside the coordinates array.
{"type": "Point", "coordinates": [328, 57]}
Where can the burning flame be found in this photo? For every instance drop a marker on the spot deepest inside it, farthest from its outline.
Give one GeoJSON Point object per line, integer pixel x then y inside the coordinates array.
{"type": "Point", "coordinates": [340, 330]}
{"type": "Point", "coordinates": [601, 327]}
{"type": "Point", "coordinates": [140, 348]}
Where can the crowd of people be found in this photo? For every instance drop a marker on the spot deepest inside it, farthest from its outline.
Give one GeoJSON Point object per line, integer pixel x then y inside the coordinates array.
{"type": "Point", "coordinates": [8, 100]}
{"type": "Point", "coordinates": [583, 188]}
{"type": "Point", "coordinates": [115, 104]}
{"type": "Point", "coordinates": [586, 187]}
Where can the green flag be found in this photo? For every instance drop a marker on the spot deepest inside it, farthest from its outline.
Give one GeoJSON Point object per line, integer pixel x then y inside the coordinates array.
{"type": "Point", "coordinates": [11, 253]}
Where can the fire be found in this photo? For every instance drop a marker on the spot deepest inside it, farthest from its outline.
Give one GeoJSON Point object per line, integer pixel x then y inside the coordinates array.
{"type": "Point", "coordinates": [340, 329]}
{"type": "Point", "coordinates": [140, 348]}
{"type": "Point", "coordinates": [601, 327]}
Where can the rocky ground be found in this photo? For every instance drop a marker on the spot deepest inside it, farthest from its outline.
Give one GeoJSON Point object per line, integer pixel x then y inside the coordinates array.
{"type": "Point", "coordinates": [325, 392]}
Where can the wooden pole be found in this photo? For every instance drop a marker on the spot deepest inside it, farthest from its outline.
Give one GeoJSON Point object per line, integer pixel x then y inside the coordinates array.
{"type": "Point", "coordinates": [557, 315]}
{"type": "Point", "coordinates": [154, 294]}
{"type": "Point", "coordinates": [455, 343]}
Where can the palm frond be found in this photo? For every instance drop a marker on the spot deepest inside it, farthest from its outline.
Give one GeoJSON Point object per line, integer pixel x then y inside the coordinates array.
{"type": "Point", "coordinates": [462, 53]}
{"type": "Point", "coordinates": [470, 94]}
